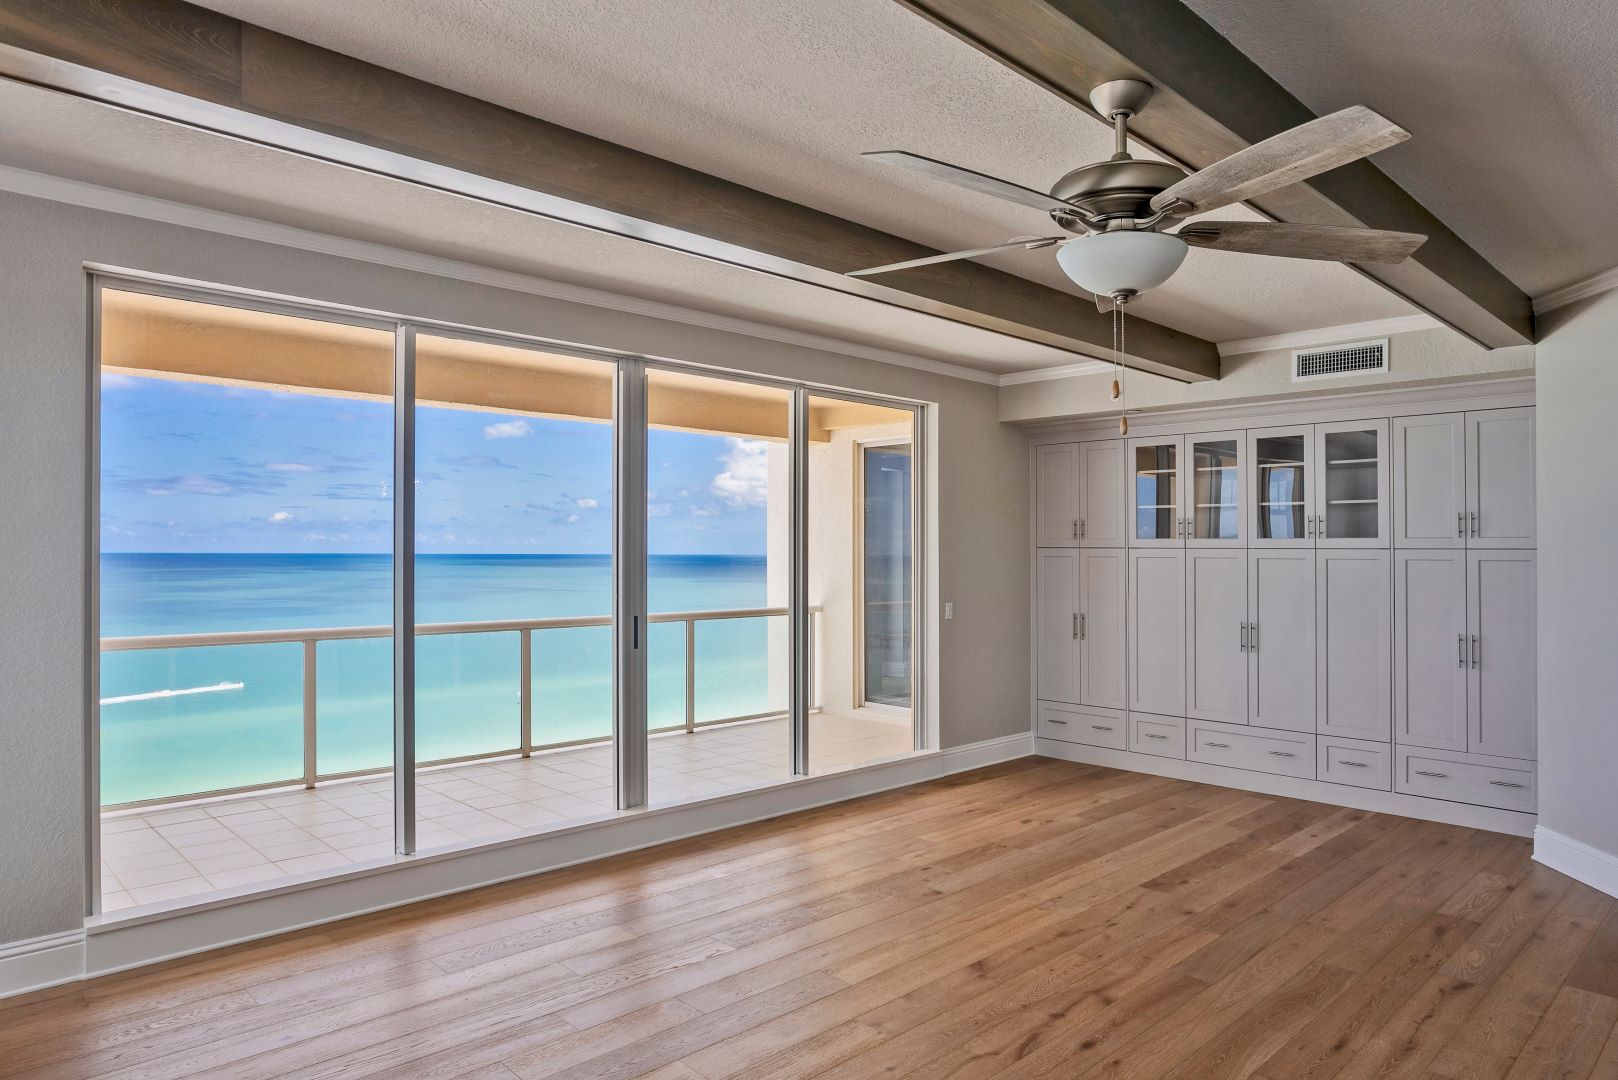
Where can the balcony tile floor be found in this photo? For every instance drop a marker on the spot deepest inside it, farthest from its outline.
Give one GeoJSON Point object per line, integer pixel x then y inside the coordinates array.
{"type": "Point", "coordinates": [170, 852]}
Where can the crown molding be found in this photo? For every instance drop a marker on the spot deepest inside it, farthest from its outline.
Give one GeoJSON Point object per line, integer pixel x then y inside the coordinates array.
{"type": "Point", "coordinates": [1605, 281]}
{"type": "Point", "coordinates": [1330, 335]}
{"type": "Point", "coordinates": [1065, 371]}
{"type": "Point", "coordinates": [151, 208]}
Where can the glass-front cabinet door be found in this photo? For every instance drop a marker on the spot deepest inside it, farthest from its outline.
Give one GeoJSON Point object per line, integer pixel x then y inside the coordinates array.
{"type": "Point", "coordinates": [1352, 505]}
{"type": "Point", "coordinates": [1279, 461]}
{"type": "Point", "coordinates": [1155, 491]}
{"type": "Point", "coordinates": [1214, 464]}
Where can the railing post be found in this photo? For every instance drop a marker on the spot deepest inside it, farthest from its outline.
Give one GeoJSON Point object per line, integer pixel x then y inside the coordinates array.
{"type": "Point", "coordinates": [525, 690]}
{"type": "Point", "coordinates": [310, 748]}
{"type": "Point", "coordinates": [690, 676]}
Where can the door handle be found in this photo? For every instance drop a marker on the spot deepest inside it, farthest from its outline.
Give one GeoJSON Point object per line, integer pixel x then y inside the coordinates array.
{"type": "Point", "coordinates": [1477, 653]}
{"type": "Point", "coordinates": [1460, 641]}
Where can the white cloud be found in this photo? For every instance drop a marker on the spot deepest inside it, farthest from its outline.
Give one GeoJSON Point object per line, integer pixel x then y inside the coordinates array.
{"type": "Point", "coordinates": [587, 504]}
{"type": "Point", "coordinates": [745, 480]}
{"type": "Point", "coordinates": [573, 519]}
{"type": "Point", "coordinates": [510, 429]}
{"type": "Point", "coordinates": [190, 485]}
{"type": "Point", "coordinates": [280, 516]}
{"type": "Point", "coordinates": [291, 467]}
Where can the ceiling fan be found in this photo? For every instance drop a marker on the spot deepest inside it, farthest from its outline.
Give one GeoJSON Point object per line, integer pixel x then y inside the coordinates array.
{"type": "Point", "coordinates": [1119, 210]}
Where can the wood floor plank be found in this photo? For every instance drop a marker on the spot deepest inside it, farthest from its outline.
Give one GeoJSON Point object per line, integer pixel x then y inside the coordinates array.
{"type": "Point", "coordinates": [1030, 920]}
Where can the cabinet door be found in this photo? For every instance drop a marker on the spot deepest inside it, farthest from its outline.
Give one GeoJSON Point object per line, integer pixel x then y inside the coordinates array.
{"type": "Point", "coordinates": [1501, 667]}
{"type": "Point", "coordinates": [1156, 502]}
{"type": "Point", "coordinates": [1216, 635]}
{"type": "Point", "coordinates": [1102, 512]}
{"type": "Point", "coordinates": [1429, 648]}
{"type": "Point", "coordinates": [1500, 478]}
{"type": "Point", "coordinates": [1157, 631]}
{"type": "Point", "coordinates": [1351, 485]}
{"type": "Point", "coordinates": [1057, 606]}
{"type": "Point", "coordinates": [1056, 495]}
{"type": "Point", "coordinates": [1281, 638]}
{"type": "Point", "coordinates": [1215, 480]}
{"type": "Point", "coordinates": [1354, 643]}
{"type": "Point", "coordinates": [1280, 462]}
{"type": "Point", "coordinates": [1103, 573]}
{"type": "Point", "coordinates": [1429, 481]}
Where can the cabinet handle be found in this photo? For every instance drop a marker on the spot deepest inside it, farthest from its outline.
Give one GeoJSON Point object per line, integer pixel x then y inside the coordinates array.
{"type": "Point", "coordinates": [1477, 653]}
{"type": "Point", "coordinates": [1504, 783]}
{"type": "Point", "coordinates": [1252, 637]}
{"type": "Point", "coordinates": [1436, 775]}
{"type": "Point", "coordinates": [1244, 637]}
{"type": "Point", "coordinates": [1460, 641]}
{"type": "Point", "coordinates": [1149, 735]}
{"type": "Point", "coordinates": [1083, 629]}
{"type": "Point", "coordinates": [1320, 527]}
{"type": "Point", "coordinates": [1282, 753]}
{"type": "Point", "coordinates": [1075, 626]}
{"type": "Point", "coordinates": [1075, 528]}
{"type": "Point", "coordinates": [1221, 745]}
{"type": "Point", "coordinates": [1054, 720]}
{"type": "Point", "coordinates": [1102, 727]}
{"type": "Point", "coordinates": [1475, 524]}
{"type": "Point", "coordinates": [1084, 527]}
{"type": "Point", "coordinates": [1354, 764]}
{"type": "Point", "coordinates": [1460, 523]}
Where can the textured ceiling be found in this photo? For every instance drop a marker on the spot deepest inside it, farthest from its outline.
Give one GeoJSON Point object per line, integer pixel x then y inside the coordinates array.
{"type": "Point", "coordinates": [782, 96]}
{"type": "Point", "coordinates": [1513, 107]}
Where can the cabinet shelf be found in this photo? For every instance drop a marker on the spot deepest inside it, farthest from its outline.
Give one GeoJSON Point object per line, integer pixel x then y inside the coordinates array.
{"type": "Point", "coordinates": [1216, 468]}
{"type": "Point", "coordinates": [1280, 464]}
{"type": "Point", "coordinates": [1155, 472]}
{"type": "Point", "coordinates": [1156, 506]}
{"type": "Point", "coordinates": [1354, 461]}
{"type": "Point", "coordinates": [1298, 503]}
{"type": "Point", "coordinates": [1216, 506]}
{"type": "Point", "coordinates": [1351, 502]}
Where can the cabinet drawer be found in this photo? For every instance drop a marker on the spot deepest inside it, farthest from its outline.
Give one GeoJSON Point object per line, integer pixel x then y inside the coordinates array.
{"type": "Point", "coordinates": [1485, 781]}
{"type": "Point", "coordinates": [1268, 750]}
{"type": "Point", "coordinates": [1355, 761]}
{"type": "Point", "coordinates": [1163, 736]}
{"type": "Point", "coordinates": [1094, 727]}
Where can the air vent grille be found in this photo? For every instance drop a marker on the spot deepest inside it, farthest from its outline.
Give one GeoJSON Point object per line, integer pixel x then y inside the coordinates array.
{"type": "Point", "coordinates": [1336, 361]}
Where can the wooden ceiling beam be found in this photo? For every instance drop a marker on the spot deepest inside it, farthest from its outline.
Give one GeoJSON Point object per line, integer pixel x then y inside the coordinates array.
{"type": "Point", "coordinates": [1210, 100]}
{"type": "Point", "coordinates": [191, 65]}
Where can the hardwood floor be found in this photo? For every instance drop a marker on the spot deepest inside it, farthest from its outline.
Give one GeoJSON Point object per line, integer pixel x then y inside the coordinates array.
{"type": "Point", "coordinates": [1037, 919]}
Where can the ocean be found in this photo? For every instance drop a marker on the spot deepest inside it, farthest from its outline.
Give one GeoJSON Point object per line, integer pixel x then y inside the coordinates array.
{"type": "Point", "coordinates": [183, 721]}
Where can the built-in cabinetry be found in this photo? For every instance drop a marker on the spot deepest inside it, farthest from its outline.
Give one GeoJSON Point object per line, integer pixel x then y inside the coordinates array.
{"type": "Point", "coordinates": [1346, 601]}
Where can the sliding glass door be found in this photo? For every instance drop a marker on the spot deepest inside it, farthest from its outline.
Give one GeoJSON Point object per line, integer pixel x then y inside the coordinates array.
{"type": "Point", "coordinates": [621, 583]}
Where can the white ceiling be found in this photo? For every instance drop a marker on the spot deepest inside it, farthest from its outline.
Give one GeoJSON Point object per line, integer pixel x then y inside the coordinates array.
{"type": "Point", "coordinates": [1513, 108]}
{"type": "Point", "coordinates": [775, 94]}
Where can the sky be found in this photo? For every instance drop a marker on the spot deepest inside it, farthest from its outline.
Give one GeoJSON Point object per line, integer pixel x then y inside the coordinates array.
{"type": "Point", "coordinates": [198, 467]}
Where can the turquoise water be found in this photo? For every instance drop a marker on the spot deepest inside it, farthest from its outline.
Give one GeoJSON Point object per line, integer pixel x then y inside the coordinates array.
{"type": "Point", "coordinates": [242, 723]}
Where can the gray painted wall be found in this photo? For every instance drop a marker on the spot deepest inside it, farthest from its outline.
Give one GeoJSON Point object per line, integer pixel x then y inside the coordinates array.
{"type": "Point", "coordinates": [1576, 388]}
{"type": "Point", "coordinates": [981, 469]}
{"type": "Point", "coordinates": [1416, 358]}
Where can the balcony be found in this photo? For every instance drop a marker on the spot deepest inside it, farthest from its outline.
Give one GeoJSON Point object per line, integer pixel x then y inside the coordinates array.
{"type": "Point", "coordinates": [188, 843]}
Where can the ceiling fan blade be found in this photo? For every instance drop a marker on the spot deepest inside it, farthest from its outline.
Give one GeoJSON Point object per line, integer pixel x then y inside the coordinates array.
{"type": "Point", "coordinates": [1304, 151]}
{"type": "Point", "coordinates": [1335, 243]}
{"type": "Point", "coordinates": [972, 181]}
{"type": "Point", "coordinates": [1026, 243]}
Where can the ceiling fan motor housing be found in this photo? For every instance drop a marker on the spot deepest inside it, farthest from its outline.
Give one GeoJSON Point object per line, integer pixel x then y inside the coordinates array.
{"type": "Point", "coordinates": [1107, 190]}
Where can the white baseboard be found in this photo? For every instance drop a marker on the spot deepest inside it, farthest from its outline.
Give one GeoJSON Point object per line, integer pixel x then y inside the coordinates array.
{"type": "Point", "coordinates": [144, 938]}
{"type": "Point", "coordinates": [1596, 868]}
{"type": "Point", "coordinates": [1382, 802]}
{"type": "Point", "coordinates": [41, 962]}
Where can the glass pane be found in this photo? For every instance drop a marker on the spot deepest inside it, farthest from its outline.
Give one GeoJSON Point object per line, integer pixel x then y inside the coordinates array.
{"type": "Point", "coordinates": [860, 586]}
{"type": "Point", "coordinates": [1279, 466]}
{"type": "Point", "coordinates": [513, 562]}
{"type": "Point", "coordinates": [1156, 497]}
{"type": "Point", "coordinates": [246, 485]}
{"type": "Point", "coordinates": [1351, 484]}
{"type": "Point", "coordinates": [1214, 513]}
{"type": "Point", "coordinates": [718, 543]}
{"type": "Point", "coordinates": [886, 552]}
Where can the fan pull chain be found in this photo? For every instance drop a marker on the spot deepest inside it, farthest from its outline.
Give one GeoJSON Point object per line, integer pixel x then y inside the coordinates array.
{"type": "Point", "coordinates": [1118, 365]}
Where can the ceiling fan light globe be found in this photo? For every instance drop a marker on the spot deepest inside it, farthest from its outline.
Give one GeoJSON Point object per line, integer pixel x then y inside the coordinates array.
{"type": "Point", "coordinates": [1125, 260]}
